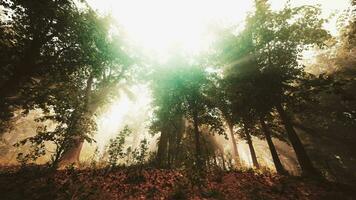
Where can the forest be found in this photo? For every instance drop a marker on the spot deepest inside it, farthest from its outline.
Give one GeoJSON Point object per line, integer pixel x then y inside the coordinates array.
{"type": "Point", "coordinates": [138, 103]}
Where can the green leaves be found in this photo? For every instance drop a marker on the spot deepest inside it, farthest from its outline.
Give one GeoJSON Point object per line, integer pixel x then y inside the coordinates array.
{"type": "Point", "coordinates": [263, 63]}
{"type": "Point", "coordinates": [64, 60]}
{"type": "Point", "coordinates": [116, 145]}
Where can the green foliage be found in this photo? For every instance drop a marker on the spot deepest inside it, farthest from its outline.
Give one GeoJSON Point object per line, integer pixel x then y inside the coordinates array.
{"type": "Point", "coordinates": [59, 137]}
{"type": "Point", "coordinates": [131, 156]}
{"type": "Point", "coordinates": [180, 90]}
{"type": "Point", "coordinates": [116, 145]}
{"type": "Point", "coordinates": [64, 61]}
{"type": "Point", "coordinates": [268, 51]}
{"type": "Point", "coordinates": [262, 68]}
{"type": "Point", "coordinates": [141, 153]}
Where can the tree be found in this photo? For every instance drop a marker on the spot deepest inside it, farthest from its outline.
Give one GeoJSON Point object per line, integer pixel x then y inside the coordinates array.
{"type": "Point", "coordinates": [270, 47]}
{"type": "Point", "coordinates": [277, 162]}
{"type": "Point", "coordinates": [279, 54]}
{"type": "Point", "coordinates": [37, 38]}
{"type": "Point", "coordinates": [327, 118]}
{"type": "Point", "coordinates": [219, 98]}
{"type": "Point", "coordinates": [169, 144]}
{"type": "Point", "coordinates": [109, 64]}
{"type": "Point", "coordinates": [80, 80]}
{"type": "Point", "coordinates": [179, 87]}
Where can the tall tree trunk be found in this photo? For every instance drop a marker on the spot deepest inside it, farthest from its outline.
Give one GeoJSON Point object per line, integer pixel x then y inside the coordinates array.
{"type": "Point", "coordinates": [215, 162]}
{"type": "Point", "coordinates": [170, 147]}
{"type": "Point", "coordinates": [223, 160]}
{"type": "Point", "coordinates": [162, 149]}
{"type": "Point", "coordinates": [303, 158]}
{"type": "Point", "coordinates": [72, 154]}
{"type": "Point", "coordinates": [235, 152]}
{"type": "Point", "coordinates": [277, 162]}
{"type": "Point", "coordinates": [179, 139]}
{"type": "Point", "coordinates": [252, 149]}
{"type": "Point", "coordinates": [197, 139]}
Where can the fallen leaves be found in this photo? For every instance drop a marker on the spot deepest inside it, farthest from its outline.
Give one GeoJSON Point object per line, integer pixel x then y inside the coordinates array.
{"type": "Point", "coordinates": [136, 183]}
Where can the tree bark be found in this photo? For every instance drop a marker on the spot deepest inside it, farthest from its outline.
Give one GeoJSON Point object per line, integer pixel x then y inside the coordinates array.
{"type": "Point", "coordinates": [302, 156]}
{"type": "Point", "coordinates": [252, 149]}
{"type": "Point", "coordinates": [197, 139]}
{"type": "Point", "coordinates": [277, 162]}
{"type": "Point", "coordinates": [162, 149]}
{"type": "Point", "coordinates": [215, 162]}
{"type": "Point", "coordinates": [223, 160]}
{"type": "Point", "coordinates": [71, 156]}
{"type": "Point", "coordinates": [235, 151]}
{"type": "Point", "coordinates": [179, 139]}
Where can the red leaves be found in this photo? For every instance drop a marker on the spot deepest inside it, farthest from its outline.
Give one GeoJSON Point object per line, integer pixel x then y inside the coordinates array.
{"type": "Point", "coordinates": [160, 184]}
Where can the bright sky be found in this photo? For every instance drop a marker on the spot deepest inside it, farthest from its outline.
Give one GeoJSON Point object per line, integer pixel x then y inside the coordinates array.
{"type": "Point", "coordinates": [160, 25]}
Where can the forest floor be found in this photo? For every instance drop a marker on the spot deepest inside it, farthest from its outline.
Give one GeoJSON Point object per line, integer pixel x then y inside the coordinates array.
{"type": "Point", "coordinates": [136, 183]}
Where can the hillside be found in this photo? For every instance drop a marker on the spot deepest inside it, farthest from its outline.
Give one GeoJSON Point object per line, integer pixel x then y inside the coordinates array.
{"type": "Point", "coordinates": [132, 183]}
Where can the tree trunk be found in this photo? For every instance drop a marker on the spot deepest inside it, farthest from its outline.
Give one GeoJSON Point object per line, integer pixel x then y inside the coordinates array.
{"type": "Point", "coordinates": [197, 139]}
{"type": "Point", "coordinates": [252, 149]}
{"type": "Point", "coordinates": [215, 162]}
{"type": "Point", "coordinates": [235, 152]}
{"type": "Point", "coordinates": [162, 149]}
{"type": "Point", "coordinates": [303, 158]}
{"type": "Point", "coordinates": [223, 160]}
{"type": "Point", "coordinates": [277, 162]}
{"type": "Point", "coordinates": [72, 154]}
{"type": "Point", "coordinates": [170, 148]}
{"type": "Point", "coordinates": [179, 139]}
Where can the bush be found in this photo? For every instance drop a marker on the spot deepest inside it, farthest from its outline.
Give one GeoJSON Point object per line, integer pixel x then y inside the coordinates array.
{"type": "Point", "coordinates": [116, 145]}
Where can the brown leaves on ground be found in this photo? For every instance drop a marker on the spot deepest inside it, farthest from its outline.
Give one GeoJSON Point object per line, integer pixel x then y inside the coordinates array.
{"type": "Point", "coordinates": [136, 183]}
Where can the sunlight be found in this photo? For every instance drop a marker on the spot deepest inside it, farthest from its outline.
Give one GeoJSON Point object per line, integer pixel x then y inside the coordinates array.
{"type": "Point", "coordinates": [159, 26]}
{"type": "Point", "coordinates": [133, 111]}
